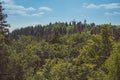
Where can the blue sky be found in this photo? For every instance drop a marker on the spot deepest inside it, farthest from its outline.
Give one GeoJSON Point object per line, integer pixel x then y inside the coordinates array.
{"type": "Point", "coordinates": [22, 13]}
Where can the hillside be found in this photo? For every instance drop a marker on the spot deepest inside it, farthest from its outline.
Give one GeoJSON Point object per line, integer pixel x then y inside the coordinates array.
{"type": "Point", "coordinates": [71, 50]}
{"type": "Point", "coordinates": [63, 51]}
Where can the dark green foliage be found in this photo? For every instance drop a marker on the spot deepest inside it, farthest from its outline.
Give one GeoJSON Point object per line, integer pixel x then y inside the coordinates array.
{"type": "Point", "coordinates": [59, 29]}
{"type": "Point", "coordinates": [4, 58]}
{"type": "Point", "coordinates": [62, 51]}
{"type": "Point", "coordinates": [4, 46]}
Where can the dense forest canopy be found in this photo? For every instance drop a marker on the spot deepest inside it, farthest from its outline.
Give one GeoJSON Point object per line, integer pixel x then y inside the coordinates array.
{"type": "Point", "coordinates": [59, 51]}
{"type": "Point", "coordinates": [63, 28]}
{"type": "Point", "coordinates": [62, 51]}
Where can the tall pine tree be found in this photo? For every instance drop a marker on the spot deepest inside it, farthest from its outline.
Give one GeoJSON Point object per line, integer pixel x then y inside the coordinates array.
{"type": "Point", "coordinates": [4, 31]}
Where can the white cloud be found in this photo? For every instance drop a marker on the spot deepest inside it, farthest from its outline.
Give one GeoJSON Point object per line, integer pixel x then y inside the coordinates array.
{"type": "Point", "coordinates": [112, 13]}
{"type": "Point", "coordinates": [19, 12]}
{"type": "Point", "coordinates": [18, 7]}
{"type": "Point", "coordinates": [92, 6]}
{"type": "Point", "coordinates": [38, 14]}
{"type": "Point", "coordinates": [111, 6]}
{"type": "Point", "coordinates": [24, 13]}
{"type": "Point", "coordinates": [106, 6]}
{"type": "Point", "coordinates": [45, 9]}
{"type": "Point", "coordinates": [13, 8]}
{"type": "Point", "coordinates": [31, 9]}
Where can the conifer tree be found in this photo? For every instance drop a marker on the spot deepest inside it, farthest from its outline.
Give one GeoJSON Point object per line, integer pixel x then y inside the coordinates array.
{"type": "Point", "coordinates": [4, 31]}
{"type": "Point", "coordinates": [3, 23]}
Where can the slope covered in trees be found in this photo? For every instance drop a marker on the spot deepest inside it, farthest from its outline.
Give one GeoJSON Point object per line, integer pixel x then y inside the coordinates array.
{"type": "Point", "coordinates": [59, 51]}
{"type": "Point", "coordinates": [62, 51]}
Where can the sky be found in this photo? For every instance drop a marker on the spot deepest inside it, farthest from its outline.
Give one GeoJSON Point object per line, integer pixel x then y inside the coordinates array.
{"type": "Point", "coordinates": [23, 13]}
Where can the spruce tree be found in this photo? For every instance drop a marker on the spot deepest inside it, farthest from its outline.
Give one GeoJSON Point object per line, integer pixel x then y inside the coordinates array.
{"type": "Point", "coordinates": [4, 32]}
{"type": "Point", "coordinates": [3, 23]}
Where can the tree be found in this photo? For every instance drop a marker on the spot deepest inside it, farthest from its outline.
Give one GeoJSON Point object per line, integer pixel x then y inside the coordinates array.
{"type": "Point", "coordinates": [4, 58]}
{"type": "Point", "coordinates": [25, 62]}
{"type": "Point", "coordinates": [4, 48]}
{"type": "Point", "coordinates": [113, 64]}
{"type": "Point", "coordinates": [63, 71]}
{"type": "Point", "coordinates": [3, 26]}
{"type": "Point", "coordinates": [106, 40]}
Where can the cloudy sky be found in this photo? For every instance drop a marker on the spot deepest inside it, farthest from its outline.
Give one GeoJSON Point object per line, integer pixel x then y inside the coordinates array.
{"type": "Point", "coordinates": [22, 13]}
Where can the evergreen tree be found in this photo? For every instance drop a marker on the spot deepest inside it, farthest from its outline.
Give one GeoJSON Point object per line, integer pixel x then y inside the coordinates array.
{"type": "Point", "coordinates": [3, 24]}
{"type": "Point", "coordinates": [106, 40]}
{"type": "Point", "coordinates": [4, 53]}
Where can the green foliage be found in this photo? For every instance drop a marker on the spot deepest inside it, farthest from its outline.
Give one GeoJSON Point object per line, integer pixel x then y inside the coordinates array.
{"type": "Point", "coordinates": [97, 75]}
{"type": "Point", "coordinates": [24, 62]}
{"type": "Point", "coordinates": [106, 39]}
{"type": "Point", "coordinates": [113, 64]}
{"type": "Point", "coordinates": [4, 57]}
{"type": "Point", "coordinates": [91, 52]}
{"type": "Point", "coordinates": [61, 51]}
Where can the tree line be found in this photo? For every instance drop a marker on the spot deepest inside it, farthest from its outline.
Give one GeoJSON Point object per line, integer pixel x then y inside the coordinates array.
{"type": "Point", "coordinates": [63, 28]}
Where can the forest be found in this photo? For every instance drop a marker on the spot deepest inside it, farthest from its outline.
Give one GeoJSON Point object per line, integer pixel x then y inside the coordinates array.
{"type": "Point", "coordinates": [61, 51]}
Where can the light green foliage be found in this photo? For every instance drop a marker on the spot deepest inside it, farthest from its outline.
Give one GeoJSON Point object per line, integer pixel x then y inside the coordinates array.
{"type": "Point", "coordinates": [2, 40]}
{"type": "Point", "coordinates": [22, 43]}
{"type": "Point", "coordinates": [97, 75]}
{"type": "Point", "coordinates": [113, 64]}
{"type": "Point", "coordinates": [57, 69]}
{"type": "Point", "coordinates": [93, 55]}
{"type": "Point", "coordinates": [44, 72]}
{"type": "Point", "coordinates": [69, 29]}
{"type": "Point", "coordinates": [63, 71]}
{"type": "Point", "coordinates": [91, 52]}
{"type": "Point", "coordinates": [106, 40]}
{"type": "Point", "coordinates": [26, 61]}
